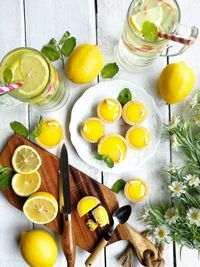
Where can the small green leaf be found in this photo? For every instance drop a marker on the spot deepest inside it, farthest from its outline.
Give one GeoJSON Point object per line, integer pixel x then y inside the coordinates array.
{"type": "Point", "coordinates": [125, 96]}
{"type": "Point", "coordinates": [150, 31]}
{"type": "Point", "coordinates": [64, 38]}
{"type": "Point", "coordinates": [68, 46]}
{"type": "Point", "coordinates": [51, 52]}
{"type": "Point", "coordinates": [99, 157]}
{"type": "Point", "coordinates": [5, 177]}
{"type": "Point", "coordinates": [37, 130]}
{"type": "Point", "coordinates": [118, 185]}
{"type": "Point", "coordinates": [53, 41]}
{"type": "Point", "coordinates": [109, 70]}
{"type": "Point", "coordinates": [109, 162]}
{"type": "Point", "coordinates": [7, 75]}
{"type": "Point", "coordinates": [19, 128]}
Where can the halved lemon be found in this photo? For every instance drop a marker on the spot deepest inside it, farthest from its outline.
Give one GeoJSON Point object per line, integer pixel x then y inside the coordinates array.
{"type": "Point", "coordinates": [41, 208]}
{"type": "Point", "coordinates": [26, 159]}
{"type": "Point", "coordinates": [138, 137]}
{"type": "Point", "coordinates": [109, 110]}
{"type": "Point", "coordinates": [26, 184]}
{"type": "Point", "coordinates": [153, 15]}
{"type": "Point", "coordinates": [92, 130]}
{"type": "Point", "coordinates": [113, 146]}
{"type": "Point", "coordinates": [134, 112]}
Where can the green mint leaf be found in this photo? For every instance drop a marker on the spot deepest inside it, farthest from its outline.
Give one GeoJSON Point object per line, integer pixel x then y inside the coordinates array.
{"type": "Point", "coordinates": [51, 52]}
{"type": "Point", "coordinates": [53, 42]}
{"type": "Point", "coordinates": [99, 157]}
{"type": "Point", "coordinates": [150, 31]}
{"type": "Point", "coordinates": [7, 75]}
{"type": "Point", "coordinates": [109, 70]}
{"type": "Point", "coordinates": [19, 128]}
{"type": "Point", "coordinates": [64, 38]}
{"type": "Point", "coordinates": [118, 185]}
{"type": "Point", "coordinates": [109, 162]}
{"type": "Point", "coordinates": [68, 46]}
{"type": "Point", "coordinates": [37, 130]}
{"type": "Point", "coordinates": [5, 177]}
{"type": "Point", "coordinates": [125, 96]}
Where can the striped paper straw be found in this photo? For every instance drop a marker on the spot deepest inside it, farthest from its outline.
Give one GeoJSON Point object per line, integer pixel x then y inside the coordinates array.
{"type": "Point", "coordinates": [177, 39]}
{"type": "Point", "coordinates": [9, 88]}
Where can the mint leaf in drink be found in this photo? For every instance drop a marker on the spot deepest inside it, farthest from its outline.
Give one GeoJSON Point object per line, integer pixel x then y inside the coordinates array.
{"type": "Point", "coordinates": [109, 70]}
{"type": "Point", "coordinates": [19, 128]}
{"type": "Point", "coordinates": [125, 96]}
{"type": "Point", "coordinates": [5, 177]}
{"type": "Point", "coordinates": [118, 185]}
{"type": "Point", "coordinates": [64, 38]}
{"type": "Point", "coordinates": [37, 130]}
{"type": "Point", "coordinates": [7, 76]}
{"type": "Point", "coordinates": [150, 31]}
{"type": "Point", "coordinates": [68, 46]}
{"type": "Point", "coordinates": [51, 52]}
{"type": "Point", "coordinates": [109, 162]}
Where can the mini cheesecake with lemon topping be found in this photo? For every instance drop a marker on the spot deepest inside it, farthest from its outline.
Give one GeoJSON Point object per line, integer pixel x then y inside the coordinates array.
{"type": "Point", "coordinates": [113, 146]}
{"type": "Point", "coordinates": [92, 130]}
{"type": "Point", "coordinates": [136, 190]}
{"type": "Point", "coordinates": [134, 112]}
{"type": "Point", "coordinates": [138, 137]}
{"type": "Point", "coordinates": [109, 110]}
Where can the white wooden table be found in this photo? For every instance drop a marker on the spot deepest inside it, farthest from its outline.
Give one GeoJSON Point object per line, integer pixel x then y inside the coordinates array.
{"type": "Point", "coordinates": [32, 23]}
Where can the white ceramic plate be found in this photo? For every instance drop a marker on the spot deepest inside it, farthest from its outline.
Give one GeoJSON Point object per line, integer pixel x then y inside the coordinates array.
{"type": "Point", "coordinates": [86, 106]}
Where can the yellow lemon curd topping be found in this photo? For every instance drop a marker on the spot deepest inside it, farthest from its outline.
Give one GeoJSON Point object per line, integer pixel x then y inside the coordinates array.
{"type": "Point", "coordinates": [113, 146]}
{"type": "Point", "coordinates": [109, 110]}
{"type": "Point", "coordinates": [92, 130]}
{"type": "Point", "coordinates": [51, 133]}
{"type": "Point", "coordinates": [135, 190]}
{"type": "Point", "coordinates": [134, 112]}
{"type": "Point", "coordinates": [138, 137]}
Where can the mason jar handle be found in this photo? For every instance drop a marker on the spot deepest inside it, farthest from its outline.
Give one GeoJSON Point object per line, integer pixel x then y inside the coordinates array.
{"type": "Point", "coordinates": [179, 37]}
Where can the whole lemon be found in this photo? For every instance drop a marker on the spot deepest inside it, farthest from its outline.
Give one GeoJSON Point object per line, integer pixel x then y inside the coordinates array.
{"type": "Point", "coordinates": [84, 64]}
{"type": "Point", "coordinates": [38, 248]}
{"type": "Point", "coordinates": [176, 82]}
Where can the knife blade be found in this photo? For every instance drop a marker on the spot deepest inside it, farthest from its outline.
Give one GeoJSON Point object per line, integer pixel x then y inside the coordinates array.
{"type": "Point", "coordinates": [68, 240]}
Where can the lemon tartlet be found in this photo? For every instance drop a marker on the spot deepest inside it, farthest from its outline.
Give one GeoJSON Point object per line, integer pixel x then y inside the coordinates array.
{"type": "Point", "coordinates": [113, 146]}
{"type": "Point", "coordinates": [109, 110]}
{"type": "Point", "coordinates": [138, 137]}
{"type": "Point", "coordinates": [136, 190]}
{"type": "Point", "coordinates": [92, 130]}
{"type": "Point", "coordinates": [134, 112]}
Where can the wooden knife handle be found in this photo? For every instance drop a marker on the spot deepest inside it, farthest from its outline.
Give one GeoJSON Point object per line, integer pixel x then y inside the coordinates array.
{"type": "Point", "coordinates": [95, 253]}
{"type": "Point", "coordinates": [68, 242]}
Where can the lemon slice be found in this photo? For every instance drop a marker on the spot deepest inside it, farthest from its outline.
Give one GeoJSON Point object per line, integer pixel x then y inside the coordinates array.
{"type": "Point", "coordinates": [26, 160]}
{"type": "Point", "coordinates": [17, 75]}
{"type": "Point", "coordinates": [153, 15]}
{"type": "Point", "coordinates": [34, 71]}
{"type": "Point", "coordinates": [41, 208]}
{"type": "Point", "coordinates": [26, 184]}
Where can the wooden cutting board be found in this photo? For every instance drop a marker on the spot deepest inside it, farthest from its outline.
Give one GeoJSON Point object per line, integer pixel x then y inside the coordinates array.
{"type": "Point", "coordinates": [81, 186]}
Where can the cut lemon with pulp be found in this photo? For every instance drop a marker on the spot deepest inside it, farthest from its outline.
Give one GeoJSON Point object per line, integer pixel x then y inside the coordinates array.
{"type": "Point", "coordinates": [153, 15]}
{"type": "Point", "coordinates": [26, 184]}
{"type": "Point", "coordinates": [41, 208]}
{"type": "Point", "coordinates": [26, 159]}
{"type": "Point", "coordinates": [51, 133]}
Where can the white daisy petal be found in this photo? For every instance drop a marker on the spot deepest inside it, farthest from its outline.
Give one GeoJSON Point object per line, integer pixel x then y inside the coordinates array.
{"type": "Point", "coordinates": [170, 216]}
{"type": "Point", "coordinates": [192, 180]}
{"type": "Point", "coordinates": [161, 234]}
{"type": "Point", "coordinates": [193, 216]}
{"type": "Point", "coordinates": [177, 188]}
{"type": "Point", "coordinates": [173, 123]}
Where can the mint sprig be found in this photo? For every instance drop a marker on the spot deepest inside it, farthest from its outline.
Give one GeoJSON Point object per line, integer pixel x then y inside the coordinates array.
{"type": "Point", "coordinates": [59, 50]}
{"type": "Point", "coordinates": [5, 177]}
{"type": "Point", "coordinates": [150, 31]}
{"type": "Point", "coordinates": [125, 96]}
{"type": "Point", "coordinates": [109, 70]}
{"type": "Point", "coordinates": [118, 185]}
{"type": "Point", "coordinates": [21, 130]}
{"type": "Point", "coordinates": [7, 76]}
{"type": "Point", "coordinates": [109, 162]}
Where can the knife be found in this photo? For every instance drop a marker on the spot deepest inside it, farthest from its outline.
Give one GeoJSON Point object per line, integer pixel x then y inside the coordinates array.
{"type": "Point", "coordinates": [68, 240]}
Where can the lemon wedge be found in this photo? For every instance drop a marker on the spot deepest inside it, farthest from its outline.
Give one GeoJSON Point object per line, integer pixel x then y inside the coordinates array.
{"type": "Point", "coordinates": [26, 159]}
{"type": "Point", "coordinates": [26, 184]}
{"type": "Point", "coordinates": [41, 208]}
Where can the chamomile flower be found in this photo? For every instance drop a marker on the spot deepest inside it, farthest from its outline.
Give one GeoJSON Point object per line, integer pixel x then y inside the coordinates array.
{"type": "Point", "coordinates": [193, 216]}
{"type": "Point", "coordinates": [175, 142]}
{"type": "Point", "coordinates": [194, 101]}
{"type": "Point", "coordinates": [173, 123]}
{"type": "Point", "coordinates": [197, 119]}
{"type": "Point", "coordinates": [170, 216]}
{"type": "Point", "coordinates": [161, 234]}
{"type": "Point", "coordinates": [172, 167]}
{"type": "Point", "coordinates": [192, 180]}
{"type": "Point", "coordinates": [177, 188]}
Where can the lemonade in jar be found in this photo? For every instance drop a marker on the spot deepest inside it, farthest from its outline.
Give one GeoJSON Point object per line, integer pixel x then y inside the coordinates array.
{"type": "Point", "coordinates": [44, 86]}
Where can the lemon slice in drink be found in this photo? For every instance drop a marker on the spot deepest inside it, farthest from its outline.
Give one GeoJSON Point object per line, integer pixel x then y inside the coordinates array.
{"type": "Point", "coordinates": [26, 184]}
{"type": "Point", "coordinates": [26, 160]}
{"type": "Point", "coordinates": [41, 208]}
{"type": "Point", "coordinates": [33, 70]}
{"type": "Point", "coordinates": [153, 15]}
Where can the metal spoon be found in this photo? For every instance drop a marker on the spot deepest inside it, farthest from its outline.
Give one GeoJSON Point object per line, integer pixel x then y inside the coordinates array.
{"type": "Point", "coordinates": [119, 217]}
